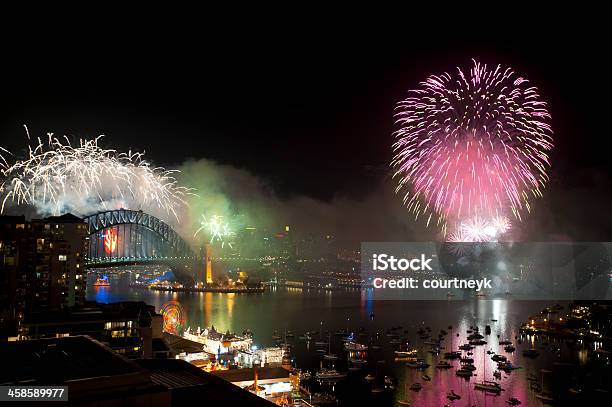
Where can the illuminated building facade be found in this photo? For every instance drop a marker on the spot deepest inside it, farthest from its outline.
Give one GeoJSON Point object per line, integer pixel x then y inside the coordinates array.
{"type": "Point", "coordinates": [219, 343]}
{"type": "Point", "coordinates": [43, 266]}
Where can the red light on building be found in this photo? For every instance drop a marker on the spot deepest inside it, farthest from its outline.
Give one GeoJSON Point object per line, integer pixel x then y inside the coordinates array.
{"type": "Point", "coordinates": [110, 241]}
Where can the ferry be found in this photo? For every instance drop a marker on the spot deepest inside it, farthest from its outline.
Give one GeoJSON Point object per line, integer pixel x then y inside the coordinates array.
{"type": "Point", "coordinates": [102, 282]}
{"type": "Point", "coordinates": [329, 374]}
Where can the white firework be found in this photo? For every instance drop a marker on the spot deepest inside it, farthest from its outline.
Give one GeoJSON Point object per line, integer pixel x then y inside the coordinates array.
{"type": "Point", "coordinates": [57, 178]}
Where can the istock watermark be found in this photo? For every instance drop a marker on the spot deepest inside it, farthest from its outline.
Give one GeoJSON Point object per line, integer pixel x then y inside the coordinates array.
{"type": "Point", "coordinates": [489, 270]}
{"type": "Point", "coordinates": [383, 262]}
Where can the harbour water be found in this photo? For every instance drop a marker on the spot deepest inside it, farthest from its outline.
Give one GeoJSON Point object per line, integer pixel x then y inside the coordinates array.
{"type": "Point", "coordinates": [293, 309]}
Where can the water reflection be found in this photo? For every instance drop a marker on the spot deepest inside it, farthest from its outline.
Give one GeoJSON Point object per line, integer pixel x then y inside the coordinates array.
{"type": "Point", "coordinates": [302, 310]}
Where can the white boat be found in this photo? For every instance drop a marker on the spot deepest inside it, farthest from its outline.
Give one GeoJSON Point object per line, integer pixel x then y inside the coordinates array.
{"type": "Point", "coordinates": [329, 374]}
{"type": "Point", "coordinates": [411, 352]}
{"type": "Point", "coordinates": [354, 346]}
{"type": "Point", "coordinates": [358, 362]}
{"type": "Point", "coordinates": [330, 356]}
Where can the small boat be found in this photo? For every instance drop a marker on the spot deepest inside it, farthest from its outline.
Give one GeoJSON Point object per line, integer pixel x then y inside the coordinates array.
{"type": "Point", "coordinates": [452, 355]}
{"type": "Point", "coordinates": [509, 348]}
{"type": "Point", "coordinates": [376, 347]}
{"type": "Point", "coordinates": [389, 382]}
{"type": "Point", "coordinates": [488, 386]}
{"type": "Point", "coordinates": [466, 346]}
{"type": "Point", "coordinates": [426, 378]}
{"type": "Point", "coordinates": [377, 390]}
{"type": "Point", "coordinates": [499, 358]}
{"type": "Point", "coordinates": [443, 364]}
{"type": "Point", "coordinates": [358, 362]}
{"type": "Point", "coordinates": [451, 395]}
{"type": "Point", "coordinates": [406, 352]}
{"type": "Point", "coordinates": [506, 342]}
{"type": "Point", "coordinates": [497, 374]}
{"type": "Point", "coordinates": [545, 398]}
{"type": "Point", "coordinates": [329, 374]}
{"type": "Point", "coordinates": [370, 377]}
{"type": "Point", "coordinates": [330, 356]}
{"type": "Point", "coordinates": [417, 364]}
{"type": "Point", "coordinates": [403, 402]}
{"type": "Point", "coordinates": [464, 373]}
{"type": "Point", "coordinates": [354, 346]}
{"type": "Point", "coordinates": [320, 343]}
{"type": "Point", "coordinates": [513, 401]}
{"type": "Point", "coordinates": [507, 366]}
{"type": "Point", "coordinates": [416, 386]}
{"type": "Point", "coordinates": [102, 282]}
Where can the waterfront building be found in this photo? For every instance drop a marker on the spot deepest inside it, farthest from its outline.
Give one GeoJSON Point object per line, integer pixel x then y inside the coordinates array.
{"type": "Point", "coordinates": [219, 343]}
{"type": "Point", "coordinates": [270, 357]}
{"type": "Point", "coordinates": [130, 328]}
{"type": "Point", "coordinates": [271, 383]}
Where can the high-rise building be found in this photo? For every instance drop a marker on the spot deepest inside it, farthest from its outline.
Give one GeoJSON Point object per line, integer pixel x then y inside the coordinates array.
{"type": "Point", "coordinates": [69, 240]}
{"type": "Point", "coordinates": [42, 266]}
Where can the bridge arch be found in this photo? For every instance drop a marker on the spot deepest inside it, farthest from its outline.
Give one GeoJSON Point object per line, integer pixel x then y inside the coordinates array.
{"type": "Point", "coordinates": [128, 236]}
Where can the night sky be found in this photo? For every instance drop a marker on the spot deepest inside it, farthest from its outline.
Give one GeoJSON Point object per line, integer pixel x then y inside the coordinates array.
{"type": "Point", "coordinates": [311, 114]}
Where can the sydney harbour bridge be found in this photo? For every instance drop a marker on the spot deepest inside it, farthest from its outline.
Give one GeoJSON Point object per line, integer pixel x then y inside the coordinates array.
{"type": "Point", "coordinates": [125, 237]}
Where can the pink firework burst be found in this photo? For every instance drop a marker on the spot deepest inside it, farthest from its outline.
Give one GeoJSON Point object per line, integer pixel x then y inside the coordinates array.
{"type": "Point", "coordinates": [472, 145]}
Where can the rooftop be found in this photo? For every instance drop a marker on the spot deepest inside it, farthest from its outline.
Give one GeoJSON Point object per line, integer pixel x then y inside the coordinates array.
{"type": "Point", "coordinates": [187, 383]}
{"type": "Point", "coordinates": [244, 375]}
{"type": "Point", "coordinates": [92, 312]}
{"type": "Point", "coordinates": [59, 360]}
{"type": "Point", "coordinates": [179, 344]}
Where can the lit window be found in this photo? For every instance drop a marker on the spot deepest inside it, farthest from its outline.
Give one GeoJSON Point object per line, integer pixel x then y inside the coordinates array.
{"type": "Point", "coordinates": [62, 257]}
